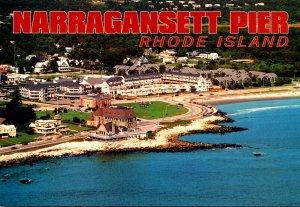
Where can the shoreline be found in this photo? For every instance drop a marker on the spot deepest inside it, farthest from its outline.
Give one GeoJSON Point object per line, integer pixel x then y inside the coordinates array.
{"type": "Point", "coordinates": [165, 140]}
{"type": "Point", "coordinates": [239, 98]}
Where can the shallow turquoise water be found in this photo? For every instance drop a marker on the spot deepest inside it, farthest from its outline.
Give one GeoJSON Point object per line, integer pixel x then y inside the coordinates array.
{"type": "Point", "coordinates": [214, 177]}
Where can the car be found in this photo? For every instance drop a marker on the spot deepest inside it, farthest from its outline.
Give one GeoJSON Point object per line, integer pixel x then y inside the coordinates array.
{"type": "Point", "coordinates": [200, 94]}
{"type": "Point", "coordinates": [14, 148]}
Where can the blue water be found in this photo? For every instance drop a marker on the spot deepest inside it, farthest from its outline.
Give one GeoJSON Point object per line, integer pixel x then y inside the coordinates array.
{"type": "Point", "coordinates": [214, 177]}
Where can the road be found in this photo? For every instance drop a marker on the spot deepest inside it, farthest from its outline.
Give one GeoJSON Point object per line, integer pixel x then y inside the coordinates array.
{"type": "Point", "coordinates": [41, 144]}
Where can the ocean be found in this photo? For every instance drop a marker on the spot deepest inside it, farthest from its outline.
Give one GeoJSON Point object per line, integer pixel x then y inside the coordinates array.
{"type": "Point", "coordinates": [222, 177]}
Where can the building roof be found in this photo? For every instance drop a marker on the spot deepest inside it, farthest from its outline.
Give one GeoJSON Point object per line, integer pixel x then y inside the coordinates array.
{"type": "Point", "coordinates": [40, 86]}
{"type": "Point", "coordinates": [144, 76]}
{"type": "Point", "coordinates": [70, 84]}
{"type": "Point", "coordinates": [179, 73]}
{"type": "Point", "coordinates": [2, 120]}
{"type": "Point", "coordinates": [117, 80]}
{"type": "Point", "coordinates": [115, 112]}
{"type": "Point", "coordinates": [94, 81]}
{"type": "Point", "coordinates": [109, 128]}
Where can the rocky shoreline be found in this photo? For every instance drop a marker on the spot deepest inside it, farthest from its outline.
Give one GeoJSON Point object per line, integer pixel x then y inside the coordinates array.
{"type": "Point", "coordinates": [165, 140]}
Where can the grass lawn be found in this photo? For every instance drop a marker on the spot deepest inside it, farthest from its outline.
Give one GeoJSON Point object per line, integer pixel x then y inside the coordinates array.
{"type": "Point", "coordinates": [76, 127]}
{"type": "Point", "coordinates": [156, 110]}
{"type": "Point", "coordinates": [3, 104]}
{"type": "Point", "coordinates": [64, 116]}
{"type": "Point", "coordinates": [20, 139]}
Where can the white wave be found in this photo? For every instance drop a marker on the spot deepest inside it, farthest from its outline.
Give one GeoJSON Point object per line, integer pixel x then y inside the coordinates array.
{"type": "Point", "coordinates": [248, 111]}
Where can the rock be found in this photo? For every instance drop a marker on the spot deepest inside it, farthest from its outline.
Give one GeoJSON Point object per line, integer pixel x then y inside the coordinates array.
{"type": "Point", "coordinates": [26, 181]}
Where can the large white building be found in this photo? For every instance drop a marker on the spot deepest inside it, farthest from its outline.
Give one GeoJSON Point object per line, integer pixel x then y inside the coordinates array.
{"type": "Point", "coordinates": [8, 131]}
{"type": "Point", "coordinates": [39, 91]}
{"type": "Point", "coordinates": [47, 127]}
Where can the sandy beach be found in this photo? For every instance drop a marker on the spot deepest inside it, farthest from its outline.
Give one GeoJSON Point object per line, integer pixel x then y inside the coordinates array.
{"type": "Point", "coordinates": [226, 98]}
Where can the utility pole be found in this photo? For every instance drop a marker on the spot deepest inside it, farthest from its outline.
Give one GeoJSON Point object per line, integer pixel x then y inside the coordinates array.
{"type": "Point", "coordinates": [13, 43]}
{"type": "Point", "coordinates": [80, 118]}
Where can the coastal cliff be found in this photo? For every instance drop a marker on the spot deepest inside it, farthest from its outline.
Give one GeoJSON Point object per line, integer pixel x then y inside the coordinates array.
{"type": "Point", "coordinates": [164, 140]}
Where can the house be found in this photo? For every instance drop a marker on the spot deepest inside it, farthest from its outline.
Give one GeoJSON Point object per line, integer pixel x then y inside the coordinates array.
{"type": "Point", "coordinates": [148, 51]}
{"type": "Point", "coordinates": [134, 81]}
{"type": "Point", "coordinates": [70, 89]}
{"type": "Point", "coordinates": [196, 6]}
{"type": "Point", "coordinates": [208, 5]}
{"type": "Point", "coordinates": [41, 67]}
{"type": "Point", "coordinates": [262, 76]}
{"type": "Point", "coordinates": [17, 78]}
{"type": "Point", "coordinates": [182, 59]}
{"type": "Point", "coordinates": [29, 57]}
{"type": "Point", "coordinates": [69, 49]}
{"type": "Point", "coordinates": [90, 82]}
{"type": "Point", "coordinates": [48, 127]}
{"type": "Point", "coordinates": [167, 53]}
{"type": "Point", "coordinates": [192, 54]}
{"type": "Point", "coordinates": [136, 69]}
{"type": "Point", "coordinates": [259, 4]}
{"type": "Point", "coordinates": [39, 91]}
{"type": "Point", "coordinates": [185, 75]}
{"type": "Point", "coordinates": [142, 60]}
{"type": "Point", "coordinates": [7, 131]}
{"type": "Point", "coordinates": [222, 81]}
{"type": "Point", "coordinates": [202, 55]}
{"type": "Point", "coordinates": [63, 65]}
{"type": "Point", "coordinates": [168, 59]}
{"type": "Point", "coordinates": [121, 117]}
{"type": "Point", "coordinates": [112, 85]}
{"type": "Point", "coordinates": [203, 84]}
{"type": "Point", "coordinates": [229, 5]}
{"type": "Point", "coordinates": [213, 56]}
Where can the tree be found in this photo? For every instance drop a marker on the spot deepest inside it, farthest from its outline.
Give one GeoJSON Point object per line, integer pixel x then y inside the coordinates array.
{"type": "Point", "coordinates": [76, 119]}
{"type": "Point", "coordinates": [162, 68]}
{"type": "Point", "coordinates": [52, 66]}
{"type": "Point", "coordinates": [18, 114]}
{"type": "Point", "coordinates": [24, 64]}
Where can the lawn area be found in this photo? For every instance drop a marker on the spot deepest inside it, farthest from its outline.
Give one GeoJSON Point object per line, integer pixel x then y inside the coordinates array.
{"type": "Point", "coordinates": [20, 139]}
{"type": "Point", "coordinates": [156, 110]}
{"type": "Point", "coordinates": [64, 116]}
{"type": "Point", "coordinates": [76, 127]}
{"type": "Point", "coordinates": [3, 104]}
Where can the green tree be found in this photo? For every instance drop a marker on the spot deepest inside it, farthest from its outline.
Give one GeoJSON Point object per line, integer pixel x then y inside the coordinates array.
{"type": "Point", "coordinates": [18, 114]}
{"type": "Point", "coordinates": [52, 66]}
